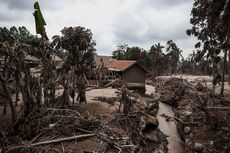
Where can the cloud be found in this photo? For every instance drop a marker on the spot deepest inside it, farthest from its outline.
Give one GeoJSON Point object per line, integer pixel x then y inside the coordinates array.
{"type": "Point", "coordinates": [135, 22]}
{"type": "Point", "coordinates": [144, 25]}
{"type": "Point", "coordinates": [28, 4]}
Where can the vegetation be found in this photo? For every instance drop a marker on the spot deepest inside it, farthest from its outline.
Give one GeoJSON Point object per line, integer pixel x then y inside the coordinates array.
{"type": "Point", "coordinates": [78, 43]}
{"type": "Point", "coordinates": [18, 35]}
{"type": "Point", "coordinates": [210, 24]}
{"type": "Point", "coordinates": [30, 77]}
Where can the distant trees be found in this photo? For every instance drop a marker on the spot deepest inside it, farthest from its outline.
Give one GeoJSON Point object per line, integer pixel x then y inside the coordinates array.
{"type": "Point", "coordinates": [196, 65]}
{"type": "Point", "coordinates": [18, 35]}
{"type": "Point", "coordinates": [156, 56]}
{"type": "Point", "coordinates": [174, 54]}
{"type": "Point", "coordinates": [120, 53]}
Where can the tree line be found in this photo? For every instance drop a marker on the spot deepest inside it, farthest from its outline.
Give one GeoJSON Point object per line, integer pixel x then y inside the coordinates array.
{"type": "Point", "coordinates": [158, 60]}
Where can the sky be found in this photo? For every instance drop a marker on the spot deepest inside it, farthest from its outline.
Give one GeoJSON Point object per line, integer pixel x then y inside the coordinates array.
{"type": "Point", "coordinates": [134, 22]}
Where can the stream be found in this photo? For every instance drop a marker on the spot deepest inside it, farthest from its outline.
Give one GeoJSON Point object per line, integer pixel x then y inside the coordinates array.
{"type": "Point", "coordinates": [175, 144]}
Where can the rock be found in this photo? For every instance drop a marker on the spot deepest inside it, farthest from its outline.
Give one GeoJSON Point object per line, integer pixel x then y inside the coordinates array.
{"type": "Point", "coordinates": [198, 147]}
{"type": "Point", "coordinates": [187, 130]}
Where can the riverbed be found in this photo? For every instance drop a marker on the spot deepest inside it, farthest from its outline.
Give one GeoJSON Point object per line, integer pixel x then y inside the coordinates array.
{"type": "Point", "coordinates": [169, 128]}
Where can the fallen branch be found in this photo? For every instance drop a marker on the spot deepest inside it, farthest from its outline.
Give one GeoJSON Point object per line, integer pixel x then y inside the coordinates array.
{"type": "Point", "coordinates": [52, 141]}
{"type": "Point", "coordinates": [62, 139]}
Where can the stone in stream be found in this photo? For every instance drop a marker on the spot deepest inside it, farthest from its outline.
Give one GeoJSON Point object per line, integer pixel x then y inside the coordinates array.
{"type": "Point", "coordinates": [187, 130]}
{"type": "Point", "coordinates": [198, 147]}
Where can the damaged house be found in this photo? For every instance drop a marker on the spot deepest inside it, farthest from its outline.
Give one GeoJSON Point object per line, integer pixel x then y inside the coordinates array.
{"type": "Point", "coordinates": [127, 70]}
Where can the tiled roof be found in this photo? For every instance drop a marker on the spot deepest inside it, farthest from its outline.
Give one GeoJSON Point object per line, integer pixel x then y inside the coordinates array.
{"type": "Point", "coordinates": [120, 65]}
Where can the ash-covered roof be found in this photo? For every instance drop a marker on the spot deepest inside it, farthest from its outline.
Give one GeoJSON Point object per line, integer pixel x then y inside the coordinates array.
{"type": "Point", "coordinates": [106, 59]}
{"type": "Point", "coordinates": [120, 65]}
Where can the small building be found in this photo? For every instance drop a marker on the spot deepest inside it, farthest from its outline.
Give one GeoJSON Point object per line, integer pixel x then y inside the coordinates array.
{"type": "Point", "coordinates": [98, 59]}
{"type": "Point", "coordinates": [99, 72]}
{"type": "Point", "coordinates": [127, 70]}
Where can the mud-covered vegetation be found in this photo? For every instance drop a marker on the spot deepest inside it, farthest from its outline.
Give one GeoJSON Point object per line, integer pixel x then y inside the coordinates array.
{"type": "Point", "coordinates": [48, 104]}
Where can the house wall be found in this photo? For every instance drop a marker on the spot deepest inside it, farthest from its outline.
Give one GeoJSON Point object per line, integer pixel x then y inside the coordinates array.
{"type": "Point", "coordinates": [134, 75]}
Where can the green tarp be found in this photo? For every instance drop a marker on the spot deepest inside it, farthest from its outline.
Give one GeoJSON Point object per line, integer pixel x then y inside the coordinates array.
{"type": "Point", "coordinates": [39, 20]}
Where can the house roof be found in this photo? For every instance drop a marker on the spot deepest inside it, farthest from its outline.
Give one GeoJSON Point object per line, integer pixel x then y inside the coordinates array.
{"type": "Point", "coordinates": [106, 59]}
{"type": "Point", "coordinates": [122, 65]}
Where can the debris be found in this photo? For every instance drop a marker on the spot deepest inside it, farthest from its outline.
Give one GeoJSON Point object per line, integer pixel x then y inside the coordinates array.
{"type": "Point", "coordinates": [117, 83]}
{"type": "Point", "coordinates": [200, 87]}
{"type": "Point", "coordinates": [147, 123]}
{"type": "Point", "coordinates": [200, 116]}
{"type": "Point", "coordinates": [110, 100]}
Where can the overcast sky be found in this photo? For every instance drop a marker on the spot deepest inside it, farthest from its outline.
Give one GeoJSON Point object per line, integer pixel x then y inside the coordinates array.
{"type": "Point", "coordinates": [134, 22]}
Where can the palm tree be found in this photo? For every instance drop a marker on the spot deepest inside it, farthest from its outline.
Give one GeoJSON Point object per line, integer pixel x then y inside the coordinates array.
{"type": "Point", "coordinates": [156, 57]}
{"type": "Point", "coordinates": [174, 54]}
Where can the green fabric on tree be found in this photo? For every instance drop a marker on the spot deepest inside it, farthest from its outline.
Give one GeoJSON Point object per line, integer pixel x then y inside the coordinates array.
{"type": "Point", "coordinates": [39, 20]}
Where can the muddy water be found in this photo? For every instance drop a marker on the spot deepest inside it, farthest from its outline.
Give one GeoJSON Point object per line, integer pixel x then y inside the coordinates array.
{"type": "Point", "coordinates": [175, 145]}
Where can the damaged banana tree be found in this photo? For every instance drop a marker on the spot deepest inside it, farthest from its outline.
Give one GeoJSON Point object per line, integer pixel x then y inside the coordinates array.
{"type": "Point", "coordinates": [16, 74]}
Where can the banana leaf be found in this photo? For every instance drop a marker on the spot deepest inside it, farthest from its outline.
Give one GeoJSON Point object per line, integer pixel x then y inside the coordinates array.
{"type": "Point", "coordinates": [39, 20]}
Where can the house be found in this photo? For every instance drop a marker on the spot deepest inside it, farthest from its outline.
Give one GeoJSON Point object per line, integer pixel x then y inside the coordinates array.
{"type": "Point", "coordinates": [129, 71]}
{"type": "Point", "coordinates": [105, 59]}
{"type": "Point", "coordinates": [100, 70]}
